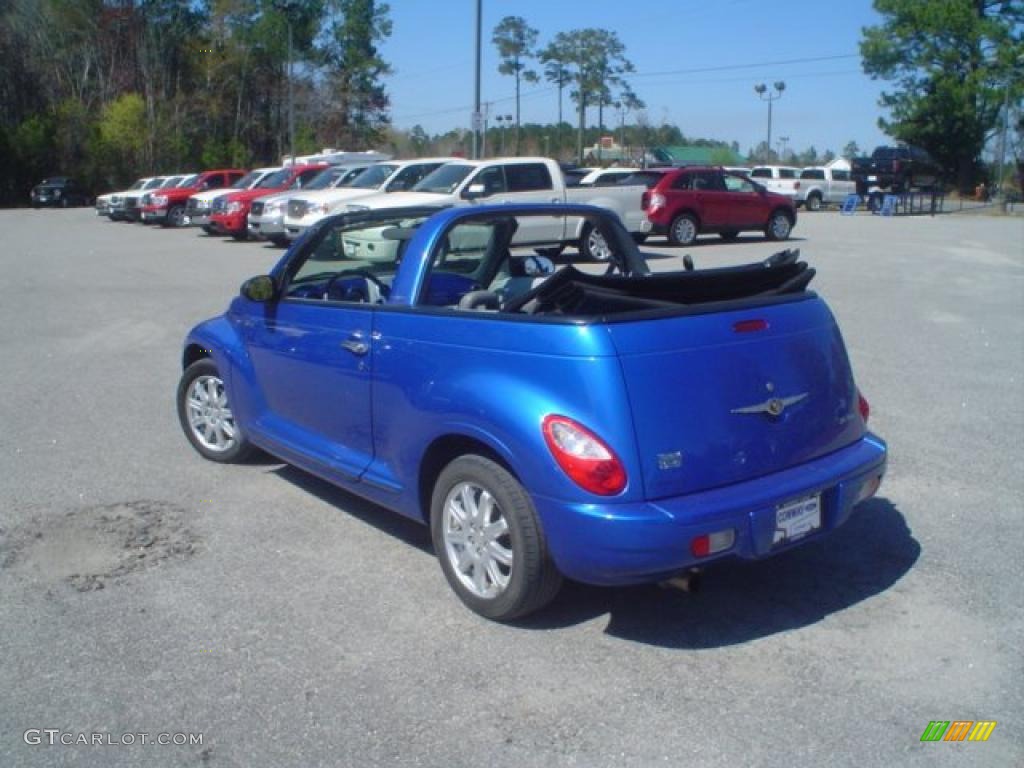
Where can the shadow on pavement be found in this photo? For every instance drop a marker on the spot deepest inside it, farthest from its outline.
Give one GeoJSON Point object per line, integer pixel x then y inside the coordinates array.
{"type": "Point", "coordinates": [738, 600]}
{"type": "Point", "coordinates": [742, 600]}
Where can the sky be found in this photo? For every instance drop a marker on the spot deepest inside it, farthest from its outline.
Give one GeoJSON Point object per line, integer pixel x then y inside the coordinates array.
{"type": "Point", "coordinates": [697, 62]}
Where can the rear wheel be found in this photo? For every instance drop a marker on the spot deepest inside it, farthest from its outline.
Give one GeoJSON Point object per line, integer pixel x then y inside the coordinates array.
{"type": "Point", "coordinates": [206, 416]}
{"type": "Point", "coordinates": [683, 229]}
{"type": "Point", "coordinates": [593, 246]}
{"type": "Point", "coordinates": [490, 544]}
{"type": "Point", "coordinates": [779, 226]}
{"type": "Point", "coordinates": [176, 216]}
{"type": "Point", "coordinates": [814, 202]}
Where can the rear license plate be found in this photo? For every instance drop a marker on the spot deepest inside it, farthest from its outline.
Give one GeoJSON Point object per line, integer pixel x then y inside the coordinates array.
{"type": "Point", "coordinates": [795, 519]}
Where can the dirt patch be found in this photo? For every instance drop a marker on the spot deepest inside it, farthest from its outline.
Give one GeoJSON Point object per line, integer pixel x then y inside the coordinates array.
{"type": "Point", "coordinates": [92, 547]}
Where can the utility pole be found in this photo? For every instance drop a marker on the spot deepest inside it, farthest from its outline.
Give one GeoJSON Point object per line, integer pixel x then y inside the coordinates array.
{"type": "Point", "coordinates": [477, 117]}
{"type": "Point", "coordinates": [762, 90]}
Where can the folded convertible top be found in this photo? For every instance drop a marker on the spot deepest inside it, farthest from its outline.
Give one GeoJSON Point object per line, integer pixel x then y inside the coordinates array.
{"type": "Point", "coordinates": [571, 292]}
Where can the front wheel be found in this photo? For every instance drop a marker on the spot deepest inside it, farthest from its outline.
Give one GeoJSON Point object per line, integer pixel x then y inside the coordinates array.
{"type": "Point", "coordinates": [176, 216]}
{"type": "Point", "coordinates": [683, 229]}
{"type": "Point", "coordinates": [814, 202]}
{"type": "Point", "coordinates": [206, 416]}
{"type": "Point", "coordinates": [779, 226]}
{"type": "Point", "coordinates": [489, 541]}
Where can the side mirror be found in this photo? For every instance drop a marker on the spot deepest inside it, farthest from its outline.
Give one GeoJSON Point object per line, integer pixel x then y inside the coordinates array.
{"type": "Point", "coordinates": [474, 191]}
{"type": "Point", "coordinates": [260, 288]}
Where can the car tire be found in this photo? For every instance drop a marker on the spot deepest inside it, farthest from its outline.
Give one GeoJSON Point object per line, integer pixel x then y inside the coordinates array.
{"type": "Point", "coordinates": [489, 541]}
{"type": "Point", "coordinates": [241, 237]}
{"type": "Point", "coordinates": [814, 202]}
{"type": "Point", "coordinates": [779, 226]}
{"type": "Point", "coordinates": [279, 240]}
{"type": "Point", "coordinates": [175, 216]}
{"type": "Point", "coordinates": [206, 417]}
{"type": "Point", "coordinates": [683, 230]}
{"type": "Point", "coordinates": [592, 245]}
{"type": "Point", "coordinates": [729, 235]}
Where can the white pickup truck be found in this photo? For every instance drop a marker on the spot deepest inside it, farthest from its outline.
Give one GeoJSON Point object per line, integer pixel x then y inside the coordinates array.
{"type": "Point", "coordinates": [523, 180]}
{"type": "Point", "coordinates": [307, 208]}
{"type": "Point", "coordinates": [780, 179]}
{"type": "Point", "coordinates": [820, 185]}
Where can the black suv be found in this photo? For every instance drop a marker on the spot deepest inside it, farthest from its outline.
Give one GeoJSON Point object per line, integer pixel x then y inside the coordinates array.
{"type": "Point", "coordinates": [59, 191]}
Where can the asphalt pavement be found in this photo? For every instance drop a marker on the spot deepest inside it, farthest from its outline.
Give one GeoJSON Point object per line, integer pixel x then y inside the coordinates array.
{"type": "Point", "coordinates": [281, 622]}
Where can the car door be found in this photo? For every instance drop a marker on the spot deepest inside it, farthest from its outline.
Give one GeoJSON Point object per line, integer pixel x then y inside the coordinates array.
{"type": "Point", "coordinates": [745, 202]}
{"type": "Point", "coordinates": [532, 183]}
{"type": "Point", "coordinates": [312, 362]}
{"type": "Point", "coordinates": [713, 200]}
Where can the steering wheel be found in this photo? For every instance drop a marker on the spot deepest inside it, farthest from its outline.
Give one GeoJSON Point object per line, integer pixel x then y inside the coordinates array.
{"type": "Point", "coordinates": [366, 274]}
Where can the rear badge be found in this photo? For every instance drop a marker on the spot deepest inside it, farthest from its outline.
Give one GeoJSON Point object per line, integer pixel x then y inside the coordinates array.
{"type": "Point", "coordinates": [672, 460]}
{"type": "Point", "coordinates": [773, 407]}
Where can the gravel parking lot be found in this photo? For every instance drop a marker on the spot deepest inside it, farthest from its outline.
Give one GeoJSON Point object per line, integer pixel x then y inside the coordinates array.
{"type": "Point", "coordinates": [145, 590]}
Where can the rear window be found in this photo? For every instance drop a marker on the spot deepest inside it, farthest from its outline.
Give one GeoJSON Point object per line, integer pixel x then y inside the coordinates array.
{"type": "Point", "coordinates": [813, 173]}
{"type": "Point", "coordinates": [611, 178]}
{"type": "Point", "coordinates": [840, 175]}
{"type": "Point", "coordinates": [761, 173]}
{"type": "Point", "coordinates": [527, 177]}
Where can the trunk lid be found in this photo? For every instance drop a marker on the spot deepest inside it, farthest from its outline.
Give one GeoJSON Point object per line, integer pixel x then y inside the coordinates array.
{"type": "Point", "coordinates": [704, 391]}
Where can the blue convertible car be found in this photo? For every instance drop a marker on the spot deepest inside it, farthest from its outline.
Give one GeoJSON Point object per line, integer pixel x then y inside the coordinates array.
{"type": "Point", "coordinates": [597, 422]}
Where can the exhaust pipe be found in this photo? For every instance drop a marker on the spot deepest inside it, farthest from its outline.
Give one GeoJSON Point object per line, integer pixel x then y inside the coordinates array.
{"type": "Point", "coordinates": [688, 581]}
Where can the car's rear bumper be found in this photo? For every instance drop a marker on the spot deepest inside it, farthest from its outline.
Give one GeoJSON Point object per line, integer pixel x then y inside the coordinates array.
{"type": "Point", "coordinates": [649, 541]}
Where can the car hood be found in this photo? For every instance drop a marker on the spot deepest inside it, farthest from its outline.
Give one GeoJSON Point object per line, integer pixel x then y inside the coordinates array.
{"type": "Point", "coordinates": [212, 194]}
{"type": "Point", "coordinates": [332, 195]}
{"type": "Point", "coordinates": [402, 200]}
{"type": "Point", "coordinates": [248, 195]}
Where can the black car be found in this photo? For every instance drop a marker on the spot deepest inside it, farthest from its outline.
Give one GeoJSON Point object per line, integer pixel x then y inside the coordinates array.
{"type": "Point", "coordinates": [59, 191]}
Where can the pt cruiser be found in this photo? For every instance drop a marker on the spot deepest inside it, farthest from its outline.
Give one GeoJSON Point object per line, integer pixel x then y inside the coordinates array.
{"type": "Point", "coordinates": [605, 424]}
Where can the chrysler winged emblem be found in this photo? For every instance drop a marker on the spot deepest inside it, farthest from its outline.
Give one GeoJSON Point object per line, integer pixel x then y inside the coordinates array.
{"type": "Point", "coordinates": [773, 406]}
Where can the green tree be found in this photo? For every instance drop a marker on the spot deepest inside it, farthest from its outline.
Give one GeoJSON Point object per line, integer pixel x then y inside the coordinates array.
{"type": "Point", "coordinates": [851, 150]}
{"type": "Point", "coordinates": [952, 62]}
{"type": "Point", "coordinates": [596, 61]}
{"type": "Point", "coordinates": [556, 71]}
{"type": "Point", "coordinates": [516, 42]}
{"type": "Point", "coordinates": [359, 103]}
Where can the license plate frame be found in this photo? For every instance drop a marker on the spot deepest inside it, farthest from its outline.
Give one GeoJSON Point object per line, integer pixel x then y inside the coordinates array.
{"type": "Point", "coordinates": [797, 518]}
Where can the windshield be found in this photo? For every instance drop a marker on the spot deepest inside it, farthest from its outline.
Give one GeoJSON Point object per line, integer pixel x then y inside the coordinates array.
{"type": "Point", "coordinates": [276, 179]}
{"type": "Point", "coordinates": [189, 181]}
{"type": "Point", "coordinates": [374, 176]}
{"type": "Point", "coordinates": [247, 181]}
{"type": "Point", "coordinates": [444, 180]}
{"type": "Point", "coordinates": [173, 181]}
{"type": "Point", "coordinates": [138, 184]}
{"type": "Point", "coordinates": [154, 183]}
{"type": "Point", "coordinates": [325, 179]}
{"type": "Point", "coordinates": [349, 177]}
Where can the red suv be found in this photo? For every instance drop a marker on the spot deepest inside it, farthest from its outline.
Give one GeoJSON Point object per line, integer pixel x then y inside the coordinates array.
{"type": "Point", "coordinates": [230, 212]}
{"type": "Point", "coordinates": [690, 201]}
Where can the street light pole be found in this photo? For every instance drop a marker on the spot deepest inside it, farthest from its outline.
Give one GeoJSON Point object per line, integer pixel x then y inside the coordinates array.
{"type": "Point", "coordinates": [762, 90]}
{"type": "Point", "coordinates": [477, 117]}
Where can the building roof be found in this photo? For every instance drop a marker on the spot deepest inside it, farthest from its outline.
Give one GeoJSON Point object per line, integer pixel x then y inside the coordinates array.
{"type": "Point", "coordinates": [684, 154]}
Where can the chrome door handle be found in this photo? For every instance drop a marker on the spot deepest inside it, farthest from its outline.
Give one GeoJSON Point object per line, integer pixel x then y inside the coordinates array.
{"type": "Point", "coordinates": [356, 346]}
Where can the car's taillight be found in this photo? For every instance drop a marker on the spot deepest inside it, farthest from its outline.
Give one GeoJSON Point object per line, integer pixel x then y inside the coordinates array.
{"type": "Point", "coordinates": [657, 200]}
{"type": "Point", "coordinates": [863, 407]}
{"type": "Point", "coordinates": [583, 456]}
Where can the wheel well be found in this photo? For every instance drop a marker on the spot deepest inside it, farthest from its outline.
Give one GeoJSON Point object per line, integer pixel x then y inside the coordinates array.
{"type": "Point", "coordinates": [786, 211]}
{"type": "Point", "coordinates": [193, 352]}
{"type": "Point", "coordinates": [440, 454]}
{"type": "Point", "coordinates": [685, 211]}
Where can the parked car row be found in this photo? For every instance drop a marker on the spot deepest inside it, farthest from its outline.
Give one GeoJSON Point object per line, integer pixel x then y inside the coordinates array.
{"type": "Point", "coordinates": [281, 204]}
